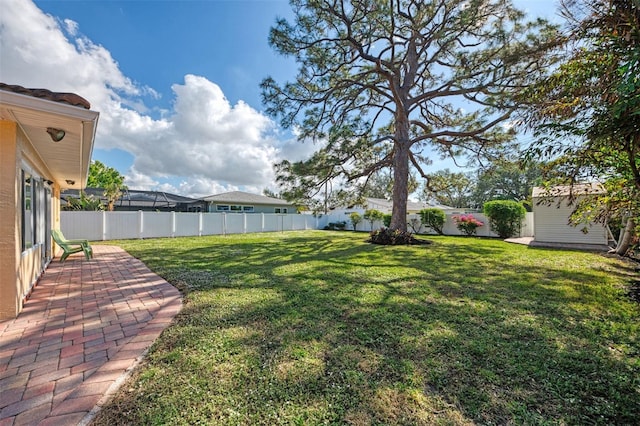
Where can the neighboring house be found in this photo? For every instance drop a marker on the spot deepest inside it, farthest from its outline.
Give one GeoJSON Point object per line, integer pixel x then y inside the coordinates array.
{"type": "Point", "coordinates": [134, 200]}
{"type": "Point", "coordinates": [244, 202]}
{"type": "Point", "coordinates": [46, 140]}
{"type": "Point", "coordinates": [551, 211]}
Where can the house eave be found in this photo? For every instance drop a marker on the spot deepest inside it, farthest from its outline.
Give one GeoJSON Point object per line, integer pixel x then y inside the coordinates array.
{"type": "Point", "coordinates": [67, 160]}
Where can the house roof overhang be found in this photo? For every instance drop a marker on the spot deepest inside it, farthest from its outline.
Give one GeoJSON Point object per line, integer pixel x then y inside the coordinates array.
{"type": "Point", "coordinates": [67, 161]}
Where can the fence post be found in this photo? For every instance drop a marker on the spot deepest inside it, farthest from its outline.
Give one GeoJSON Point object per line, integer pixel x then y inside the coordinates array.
{"type": "Point", "coordinates": [140, 224]}
{"type": "Point", "coordinates": [104, 225]}
{"type": "Point", "coordinates": [244, 223]}
{"type": "Point", "coordinates": [262, 223]}
{"type": "Point", "coordinates": [224, 223]}
{"type": "Point", "coordinates": [173, 224]}
{"type": "Point", "coordinates": [200, 224]}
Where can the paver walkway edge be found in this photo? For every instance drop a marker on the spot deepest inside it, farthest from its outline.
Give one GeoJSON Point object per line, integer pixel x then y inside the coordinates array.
{"type": "Point", "coordinates": [86, 326]}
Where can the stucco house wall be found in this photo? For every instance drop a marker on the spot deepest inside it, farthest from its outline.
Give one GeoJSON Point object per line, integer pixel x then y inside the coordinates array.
{"type": "Point", "coordinates": [33, 168]}
{"type": "Point", "coordinates": [244, 202]}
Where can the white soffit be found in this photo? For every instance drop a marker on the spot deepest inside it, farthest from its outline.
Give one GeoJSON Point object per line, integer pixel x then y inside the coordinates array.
{"type": "Point", "coordinates": [67, 160]}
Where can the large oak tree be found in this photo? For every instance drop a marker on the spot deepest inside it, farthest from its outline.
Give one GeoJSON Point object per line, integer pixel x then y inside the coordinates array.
{"type": "Point", "coordinates": [383, 82]}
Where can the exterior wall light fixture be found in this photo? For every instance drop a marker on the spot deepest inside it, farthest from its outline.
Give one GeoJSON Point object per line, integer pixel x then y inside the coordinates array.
{"type": "Point", "coordinates": [56, 134]}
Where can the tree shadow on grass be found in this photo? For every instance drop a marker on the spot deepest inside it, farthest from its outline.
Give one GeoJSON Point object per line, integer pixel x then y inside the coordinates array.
{"type": "Point", "coordinates": [337, 331]}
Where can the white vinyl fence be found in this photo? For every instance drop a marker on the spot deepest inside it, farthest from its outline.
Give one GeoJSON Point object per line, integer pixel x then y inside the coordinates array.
{"type": "Point", "coordinates": [414, 225]}
{"type": "Point", "coordinates": [102, 226]}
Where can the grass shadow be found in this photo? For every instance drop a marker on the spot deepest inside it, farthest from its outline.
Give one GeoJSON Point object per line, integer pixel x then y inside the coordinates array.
{"type": "Point", "coordinates": [314, 327]}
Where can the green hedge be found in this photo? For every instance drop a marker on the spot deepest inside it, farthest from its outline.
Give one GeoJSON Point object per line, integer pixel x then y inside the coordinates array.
{"type": "Point", "coordinates": [434, 219]}
{"type": "Point", "coordinates": [505, 216]}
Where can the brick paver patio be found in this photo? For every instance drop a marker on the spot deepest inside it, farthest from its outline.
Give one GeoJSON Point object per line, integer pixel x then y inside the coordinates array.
{"type": "Point", "coordinates": [86, 325]}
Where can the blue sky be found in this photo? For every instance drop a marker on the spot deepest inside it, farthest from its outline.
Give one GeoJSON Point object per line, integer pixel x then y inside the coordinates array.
{"type": "Point", "coordinates": [156, 43]}
{"type": "Point", "coordinates": [176, 83]}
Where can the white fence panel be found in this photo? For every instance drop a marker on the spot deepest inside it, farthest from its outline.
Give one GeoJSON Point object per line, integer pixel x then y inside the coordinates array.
{"type": "Point", "coordinates": [253, 222]}
{"type": "Point", "coordinates": [212, 224]}
{"type": "Point", "coordinates": [322, 221]}
{"type": "Point", "coordinates": [365, 225]}
{"type": "Point", "coordinates": [528, 229]}
{"type": "Point", "coordinates": [186, 224]}
{"type": "Point", "coordinates": [303, 222]}
{"type": "Point", "coordinates": [76, 225]}
{"type": "Point", "coordinates": [123, 225]}
{"type": "Point", "coordinates": [485, 229]}
{"type": "Point", "coordinates": [271, 223]}
{"type": "Point", "coordinates": [287, 223]}
{"type": "Point", "coordinates": [234, 223]}
{"type": "Point", "coordinates": [449, 228]}
{"type": "Point", "coordinates": [155, 224]}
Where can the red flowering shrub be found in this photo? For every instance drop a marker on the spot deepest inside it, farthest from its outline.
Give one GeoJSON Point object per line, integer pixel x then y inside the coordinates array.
{"type": "Point", "coordinates": [467, 224]}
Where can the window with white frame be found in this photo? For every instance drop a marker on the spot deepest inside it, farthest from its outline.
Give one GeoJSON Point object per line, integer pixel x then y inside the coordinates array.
{"type": "Point", "coordinates": [28, 219]}
{"type": "Point", "coordinates": [34, 210]}
{"type": "Point", "coordinates": [222, 207]}
{"type": "Point", "coordinates": [281, 209]}
{"type": "Point", "coordinates": [247, 209]}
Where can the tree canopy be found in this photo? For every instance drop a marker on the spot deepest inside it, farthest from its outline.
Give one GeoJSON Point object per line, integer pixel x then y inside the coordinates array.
{"type": "Point", "coordinates": [107, 178]}
{"type": "Point", "coordinates": [587, 113]}
{"type": "Point", "coordinates": [506, 179]}
{"type": "Point", "coordinates": [381, 83]}
{"type": "Point", "coordinates": [449, 188]}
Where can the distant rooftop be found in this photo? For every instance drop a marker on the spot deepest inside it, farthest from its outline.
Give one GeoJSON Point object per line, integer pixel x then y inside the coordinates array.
{"type": "Point", "coordinates": [382, 204]}
{"type": "Point", "coordinates": [240, 197]}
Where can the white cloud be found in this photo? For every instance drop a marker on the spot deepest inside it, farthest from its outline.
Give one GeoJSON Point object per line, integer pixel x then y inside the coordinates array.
{"type": "Point", "coordinates": [195, 187]}
{"type": "Point", "coordinates": [38, 50]}
{"type": "Point", "coordinates": [205, 143]}
{"type": "Point", "coordinates": [71, 26]}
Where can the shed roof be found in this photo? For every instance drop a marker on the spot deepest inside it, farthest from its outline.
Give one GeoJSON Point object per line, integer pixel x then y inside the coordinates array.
{"type": "Point", "coordinates": [569, 190]}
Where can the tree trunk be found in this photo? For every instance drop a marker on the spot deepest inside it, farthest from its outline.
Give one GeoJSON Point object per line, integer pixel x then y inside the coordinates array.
{"type": "Point", "coordinates": [400, 187]}
{"type": "Point", "coordinates": [625, 239]}
{"type": "Point", "coordinates": [402, 145]}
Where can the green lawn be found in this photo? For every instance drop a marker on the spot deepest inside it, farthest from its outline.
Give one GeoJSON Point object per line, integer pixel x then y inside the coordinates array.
{"type": "Point", "coordinates": [320, 327]}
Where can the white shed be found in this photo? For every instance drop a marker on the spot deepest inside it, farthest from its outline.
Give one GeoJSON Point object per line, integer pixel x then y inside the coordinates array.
{"type": "Point", "coordinates": [551, 211]}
